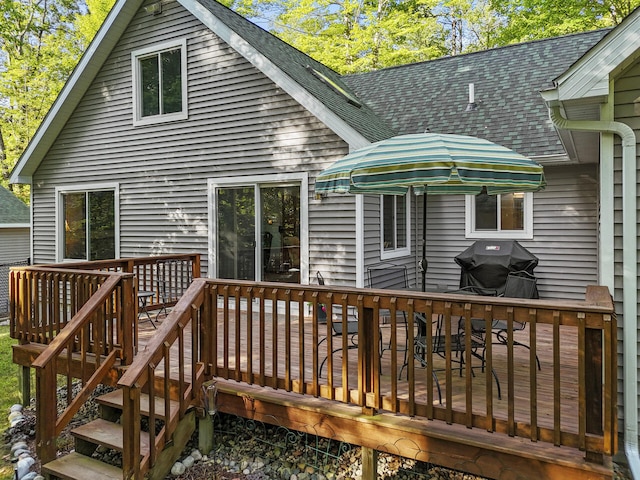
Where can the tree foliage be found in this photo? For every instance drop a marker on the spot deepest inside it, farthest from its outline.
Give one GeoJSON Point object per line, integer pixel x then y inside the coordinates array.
{"type": "Point", "coordinates": [361, 35]}
{"type": "Point", "coordinates": [42, 40]}
{"type": "Point", "coordinates": [525, 20]}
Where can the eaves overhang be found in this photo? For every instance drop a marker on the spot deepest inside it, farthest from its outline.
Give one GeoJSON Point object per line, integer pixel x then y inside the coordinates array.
{"type": "Point", "coordinates": [74, 89]}
{"type": "Point", "coordinates": [588, 78]}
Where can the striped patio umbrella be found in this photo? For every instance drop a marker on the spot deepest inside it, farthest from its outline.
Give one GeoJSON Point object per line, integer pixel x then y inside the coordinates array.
{"type": "Point", "coordinates": [434, 164]}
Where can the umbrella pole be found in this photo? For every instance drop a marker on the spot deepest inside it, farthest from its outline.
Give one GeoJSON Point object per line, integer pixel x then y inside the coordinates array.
{"type": "Point", "coordinates": [423, 262]}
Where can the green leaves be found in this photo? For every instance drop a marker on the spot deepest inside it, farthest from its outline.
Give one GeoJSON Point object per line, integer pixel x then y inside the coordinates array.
{"type": "Point", "coordinates": [40, 42]}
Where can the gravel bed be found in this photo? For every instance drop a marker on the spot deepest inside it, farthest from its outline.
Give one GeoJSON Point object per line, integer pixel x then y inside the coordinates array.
{"type": "Point", "coordinates": [245, 450]}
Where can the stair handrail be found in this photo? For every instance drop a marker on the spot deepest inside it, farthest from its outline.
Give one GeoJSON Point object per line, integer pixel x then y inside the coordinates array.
{"type": "Point", "coordinates": [140, 377]}
{"type": "Point", "coordinates": [49, 423]}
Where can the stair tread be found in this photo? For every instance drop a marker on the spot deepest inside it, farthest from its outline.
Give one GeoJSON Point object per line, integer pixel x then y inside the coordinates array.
{"type": "Point", "coordinates": [114, 399]}
{"type": "Point", "coordinates": [108, 434]}
{"type": "Point", "coordinates": [75, 466]}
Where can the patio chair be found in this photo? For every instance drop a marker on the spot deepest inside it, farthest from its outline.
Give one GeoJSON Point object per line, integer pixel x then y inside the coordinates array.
{"type": "Point", "coordinates": [336, 328]}
{"type": "Point", "coordinates": [521, 284]}
{"type": "Point", "coordinates": [392, 277]}
{"type": "Point", "coordinates": [458, 338]}
{"type": "Point", "coordinates": [173, 279]}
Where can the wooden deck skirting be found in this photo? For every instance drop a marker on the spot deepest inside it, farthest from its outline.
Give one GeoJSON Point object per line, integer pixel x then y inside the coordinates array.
{"type": "Point", "coordinates": [264, 346]}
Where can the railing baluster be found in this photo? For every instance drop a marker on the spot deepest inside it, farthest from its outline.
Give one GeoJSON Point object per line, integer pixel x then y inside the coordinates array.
{"type": "Point", "coordinates": [533, 370]}
{"type": "Point", "coordinates": [287, 340]}
{"type": "Point", "coordinates": [582, 400]}
{"type": "Point", "coordinates": [448, 365]}
{"type": "Point", "coordinates": [301, 344]}
{"type": "Point", "coordinates": [511, 376]}
{"type": "Point", "coordinates": [429, 353]}
{"type": "Point", "coordinates": [274, 338]}
{"type": "Point", "coordinates": [263, 339]}
{"type": "Point", "coordinates": [488, 366]}
{"type": "Point", "coordinates": [468, 366]}
{"type": "Point", "coordinates": [238, 332]}
{"type": "Point", "coordinates": [557, 438]}
{"type": "Point", "coordinates": [249, 328]}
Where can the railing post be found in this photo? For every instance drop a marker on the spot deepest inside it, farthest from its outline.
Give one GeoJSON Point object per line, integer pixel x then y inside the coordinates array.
{"type": "Point", "coordinates": [196, 267]}
{"type": "Point", "coordinates": [46, 407]}
{"type": "Point", "coordinates": [367, 350]}
{"type": "Point", "coordinates": [593, 388]}
{"type": "Point", "coordinates": [131, 432]}
{"type": "Point", "coordinates": [128, 321]}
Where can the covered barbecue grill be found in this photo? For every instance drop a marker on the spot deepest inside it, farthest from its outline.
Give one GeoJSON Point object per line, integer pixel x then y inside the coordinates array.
{"type": "Point", "coordinates": [487, 263]}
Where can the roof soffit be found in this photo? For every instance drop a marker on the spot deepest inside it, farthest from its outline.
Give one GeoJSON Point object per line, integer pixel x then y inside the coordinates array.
{"type": "Point", "coordinates": [589, 76]}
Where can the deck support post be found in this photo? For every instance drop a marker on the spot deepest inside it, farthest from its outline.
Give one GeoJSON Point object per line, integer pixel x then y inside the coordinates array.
{"type": "Point", "coordinates": [369, 463]}
{"type": "Point", "coordinates": [205, 433]}
{"type": "Point", "coordinates": [25, 384]}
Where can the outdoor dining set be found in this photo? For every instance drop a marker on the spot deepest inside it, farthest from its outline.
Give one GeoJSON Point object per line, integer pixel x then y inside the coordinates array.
{"type": "Point", "coordinates": [490, 267]}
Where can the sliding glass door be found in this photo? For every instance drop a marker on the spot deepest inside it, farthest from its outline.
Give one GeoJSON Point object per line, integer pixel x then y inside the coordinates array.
{"type": "Point", "coordinates": [236, 233]}
{"type": "Point", "coordinates": [257, 235]}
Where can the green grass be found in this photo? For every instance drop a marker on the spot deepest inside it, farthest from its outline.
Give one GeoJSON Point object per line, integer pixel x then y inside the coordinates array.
{"type": "Point", "coordinates": [9, 390]}
{"type": "Point", "coordinates": [9, 393]}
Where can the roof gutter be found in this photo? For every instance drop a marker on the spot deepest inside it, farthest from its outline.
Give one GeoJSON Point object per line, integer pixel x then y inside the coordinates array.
{"type": "Point", "coordinates": [629, 273]}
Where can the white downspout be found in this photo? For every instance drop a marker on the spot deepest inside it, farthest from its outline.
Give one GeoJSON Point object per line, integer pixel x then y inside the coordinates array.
{"type": "Point", "coordinates": [629, 272]}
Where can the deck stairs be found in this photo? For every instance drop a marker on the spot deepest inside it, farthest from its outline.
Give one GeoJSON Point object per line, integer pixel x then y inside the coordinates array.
{"type": "Point", "coordinates": [106, 433]}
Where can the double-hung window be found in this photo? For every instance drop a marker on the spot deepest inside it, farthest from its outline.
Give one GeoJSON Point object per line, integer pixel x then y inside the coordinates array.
{"type": "Point", "coordinates": [394, 212]}
{"type": "Point", "coordinates": [159, 83]}
{"type": "Point", "coordinates": [500, 216]}
{"type": "Point", "coordinates": [87, 223]}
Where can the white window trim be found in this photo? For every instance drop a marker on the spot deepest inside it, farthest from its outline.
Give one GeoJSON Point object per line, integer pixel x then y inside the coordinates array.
{"type": "Point", "coordinates": [397, 252]}
{"type": "Point", "coordinates": [470, 221]}
{"type": "Point", "coordinates": [90, 187]}
{"type": "Point", "coordinates": [252, 180]}
{"type": "Point", "coordinates": [138, 119]}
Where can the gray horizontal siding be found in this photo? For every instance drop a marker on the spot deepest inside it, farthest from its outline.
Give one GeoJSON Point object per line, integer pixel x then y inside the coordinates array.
{"type": "Point", "coordinates": [239, 123]}
{"type": "Point", "coordinates": [565, 235]}
{"type": "Point", "coordinates": [14, 245]}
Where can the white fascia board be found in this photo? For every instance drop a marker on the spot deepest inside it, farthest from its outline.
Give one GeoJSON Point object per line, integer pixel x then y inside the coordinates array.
{"type": "Point", "coordinates": [589, 76]}
{"type": "Point", "coordinates": [345, 131]}
{"type": "Point", "coordinates": [74, 89]}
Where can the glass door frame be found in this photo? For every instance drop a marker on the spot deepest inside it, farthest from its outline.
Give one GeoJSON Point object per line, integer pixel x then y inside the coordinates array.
{"type": "Point", "coordinates": [256, 181]}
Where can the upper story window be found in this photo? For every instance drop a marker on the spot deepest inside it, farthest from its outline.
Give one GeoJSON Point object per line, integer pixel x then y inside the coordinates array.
{"type": "Point", "coordinates": [160, 83]}
{"type": "Point", "coordinates": [500, 216]}
{"type": "Point", "coordinates": [87, 223]}
{"type": "Point", "coordinates": [394, 214]}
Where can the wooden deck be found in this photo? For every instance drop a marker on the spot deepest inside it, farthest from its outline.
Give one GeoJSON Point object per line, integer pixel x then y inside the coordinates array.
{"type": "Point", "coordinates": [264, 346]}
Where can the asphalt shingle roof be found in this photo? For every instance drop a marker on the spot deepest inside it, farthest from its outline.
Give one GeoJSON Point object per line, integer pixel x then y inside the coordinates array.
{"type": "Point", "coordinates": [299, 66]}
{"type": "Point", "coordinates": [433, 96]}
{"type": "Point", "coordinates": [12, 209]}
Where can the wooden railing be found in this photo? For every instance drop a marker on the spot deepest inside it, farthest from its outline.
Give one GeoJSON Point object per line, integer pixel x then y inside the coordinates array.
{"type": "Point", "coordinates": [81, 320]}
{"type": "Point", "coordinates": [171, 372]}
{"type": "Point", "coordinates": [86, 319]}
{"type": "Point", "coordinates": [147, 272]}
{"type": "Point", "coordinates": [268, 334]}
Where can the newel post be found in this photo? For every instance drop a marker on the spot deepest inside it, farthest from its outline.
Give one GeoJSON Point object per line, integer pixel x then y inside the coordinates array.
{"type": "Point", "coordinates": [128, 320]}
{"type": "Point", "coordinates": [593, 378]}
{"type": "Point", "coordinates": [367, 351]}
{"type": "Point", "coordinates": [47, 412]}
{"type": "Point", "coordinates": [368, 378]}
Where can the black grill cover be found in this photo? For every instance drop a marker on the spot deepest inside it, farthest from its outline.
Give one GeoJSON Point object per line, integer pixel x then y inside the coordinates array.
{"type": "Point", "coordinates": [487, 263]}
